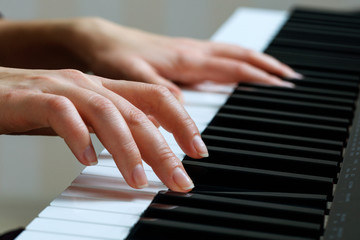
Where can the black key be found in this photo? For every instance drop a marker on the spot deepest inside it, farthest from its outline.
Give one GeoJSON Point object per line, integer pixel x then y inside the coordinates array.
{"type": "Point", "coordinates": [280, 126]}
{"type": "Point", "coordinates": [328, 84]}
{"type": "Point", "coordinates": [283, 115]}
{"type": "Point", "coordinates": [311, 44]}
{"type": "Point", "coordinates": [315, 60]}
{"type": "Point", "coordinates": [241, 206]}
{"type": "Point", "coordinates": [328, 74]}
{"type": "Point", "coordinates": [159, 229]}
{"type": "Point", "coordinates": [241, 133]}
{"type": "Point", "coordinates": [291, 106]}
{"type": "Point", "coordinates": [307, 82]}
{"type": "Point", "coordinates": [253, 179]}
{"type": "Point", "coordinates": [232, 220]}
{"type": "Point", "coordinates": [273, 148]}
{"type": "Point", "coordinates": [269, 161]}
{"type": "Point", "coordinates": [295, 199]}
{"type": "Point", "coordinates": [306, 90]}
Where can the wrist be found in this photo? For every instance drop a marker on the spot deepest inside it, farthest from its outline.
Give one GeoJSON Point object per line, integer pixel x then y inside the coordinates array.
{"type": "Point", "coordinates": [48, 40]}
{"type": "Point", "coordinates": [83, 37]}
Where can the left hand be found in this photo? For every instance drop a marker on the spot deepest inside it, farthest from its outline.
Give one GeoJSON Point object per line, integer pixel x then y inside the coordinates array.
{"type": "Point", "coordinates": [117, 52]}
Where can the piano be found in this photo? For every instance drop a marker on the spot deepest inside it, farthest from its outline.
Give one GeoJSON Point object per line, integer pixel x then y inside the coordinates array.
{"type": "Point", "coordinates": [284, 163]}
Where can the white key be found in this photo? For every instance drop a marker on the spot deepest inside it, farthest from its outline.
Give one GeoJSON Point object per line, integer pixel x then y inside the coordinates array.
{"type": "Point", "coordinates": [105, 154]}
{"type": "Point", "coordinates": [115, 173]}
{"type": "Point", "coordinates": [213, 87]}
{"type": "Point", "coordinates": [98, 193]}
{"type": "Point", "coordinates": [201, 127]}
{"type": "Point", "coordinates": [109, 162]}
{"type": "Point", "coordinates": [89, 216]}
{"type": "Point", "coordinates": [115, 206]}
{"type": "Point", "coordinates": [79, 228]}
{"type": "Point", "coordinates": [36, 235]}
{"type": "Point", "coordinates": [201, 114]}
{"type": "Point", "coordinates": [239, 28]}
{"type": "Point", "coordinates": [106, 162]}
{"type": "Point", "coordinates": [196, 98]}
{"type": "Point", "coordinates": [118, 183]}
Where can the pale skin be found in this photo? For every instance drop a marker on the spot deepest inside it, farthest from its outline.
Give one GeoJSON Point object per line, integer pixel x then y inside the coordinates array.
{"type": "Point", "coordinates": [44, 90]}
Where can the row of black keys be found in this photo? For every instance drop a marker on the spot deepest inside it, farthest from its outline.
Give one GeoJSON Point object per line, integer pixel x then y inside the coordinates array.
{"type": "Point", "coordinates": [275, 153]}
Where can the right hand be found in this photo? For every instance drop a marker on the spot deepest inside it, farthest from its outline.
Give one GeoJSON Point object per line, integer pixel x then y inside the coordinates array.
{"type": "Point", "coordinates": [71, 104]}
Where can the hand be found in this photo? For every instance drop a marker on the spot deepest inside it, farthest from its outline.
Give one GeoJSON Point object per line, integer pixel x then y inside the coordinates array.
{"type": "Point", "coordinates": [71, 104]}
{"type": "Point", "coordinates": [117, 52]}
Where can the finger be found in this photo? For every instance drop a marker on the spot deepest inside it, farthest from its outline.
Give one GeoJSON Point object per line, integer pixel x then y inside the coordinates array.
{"type": "Point", "coordinates": [152, 145]}
{"type": "Point", "coordinates": [154, 121]}
{"type": "Point", "coordinates": [158, 102]}
{"type": "Point", "coordinates": [260, 60]}
{"type": "Point", "coordinates": [228, 71]}
{"type": "Point", "coordinates": [28, 111]}
{"type": "Point", "coordinates": [143, 72]}
{"type": "Point", "coordinates": [112, 130]}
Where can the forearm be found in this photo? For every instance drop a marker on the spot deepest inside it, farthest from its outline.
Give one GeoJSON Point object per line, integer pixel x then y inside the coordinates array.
{"type": "Point", "coordinates": [38, 44]}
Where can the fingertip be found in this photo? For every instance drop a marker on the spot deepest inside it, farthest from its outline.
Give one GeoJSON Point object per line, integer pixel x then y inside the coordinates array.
{"type": "Point", "coordinates": [139, 177]}
{"type": "Point", "coordinates": [286, 84]}
{"type": "Point", "coordinates": [200, 146]}
{"type": "Point", "coordinates": [182, 180]}
{"type": "Point", "coordinates": [89, 156]}
{"type": "Point", "coordinates": [289, 73]}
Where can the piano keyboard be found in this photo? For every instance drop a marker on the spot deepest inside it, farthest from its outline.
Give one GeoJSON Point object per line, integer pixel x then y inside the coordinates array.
{"type": "Point", "coordinates": [275, 153]}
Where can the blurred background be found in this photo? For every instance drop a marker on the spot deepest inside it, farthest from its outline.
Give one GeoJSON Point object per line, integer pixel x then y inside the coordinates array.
{"type": "Point", "coordinates": [34, 170]}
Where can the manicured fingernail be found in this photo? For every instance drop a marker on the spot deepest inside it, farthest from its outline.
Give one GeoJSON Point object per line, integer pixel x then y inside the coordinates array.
{"type": "Point", "coordinates": [140, 177]}
{"type": "Point", "coordinates": [182, 179]}
{"type": "Point", "coordinates": [90, 156]}
{"type": "Point", "coordinates": [200, 146]}
{"type": "Point", "coordinates": [294, 75]}
{"type": "Point", "coordinates": [287, 84]}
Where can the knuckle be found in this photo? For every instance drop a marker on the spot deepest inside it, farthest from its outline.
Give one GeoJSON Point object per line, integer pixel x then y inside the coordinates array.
{"type": "Point", "coordinates": [161, 98]}
{"type": "Point", "coordinates": [166, 157]}
{"type": "Point", "coordinates": [127, 150]}
{"type": "Point", "coordinates": [100, 104]}
{"type": "Point", "coordinates": [76, 77]}
{"type": "Point", "coordinates": [131, 149]}
{"type": "Point", "coordinates": [59, 103]}
{"type": "Point", "coordinates": [249, 54]}
{"type": "Point", "coordinates": [160, 92]}
{"type": "Point", "coordinates": [187, 57]}
{"type": "Point", "coordinates": [242, 68]}
{"type": "Point", "coordinates": [136, 118]}
{"type": "Point", "coordinates": [72, 73]}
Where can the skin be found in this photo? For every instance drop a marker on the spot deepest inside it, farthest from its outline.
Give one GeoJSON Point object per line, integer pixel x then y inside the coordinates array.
{"type": "Point", "coordinates": [44, 90]}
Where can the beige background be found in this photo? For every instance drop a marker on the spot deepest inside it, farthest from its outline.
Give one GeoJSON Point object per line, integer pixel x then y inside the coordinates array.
{"type": "Point", "coordinates": [34, 170]}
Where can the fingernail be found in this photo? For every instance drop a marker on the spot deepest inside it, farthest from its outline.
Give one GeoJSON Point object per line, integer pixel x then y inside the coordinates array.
{"type": "Point", "coordinates": [294, 75]}
{"type": "Point", "coordinates": [287, 84]}
{"type": "Point", "coordinates": [182, 179]}
{"type": "Point", "coordinates": [200, 146]}
{"type": "Point", "coordinates": [90, 156]}
{"type": "Point", "coordinates": [140, 177]}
